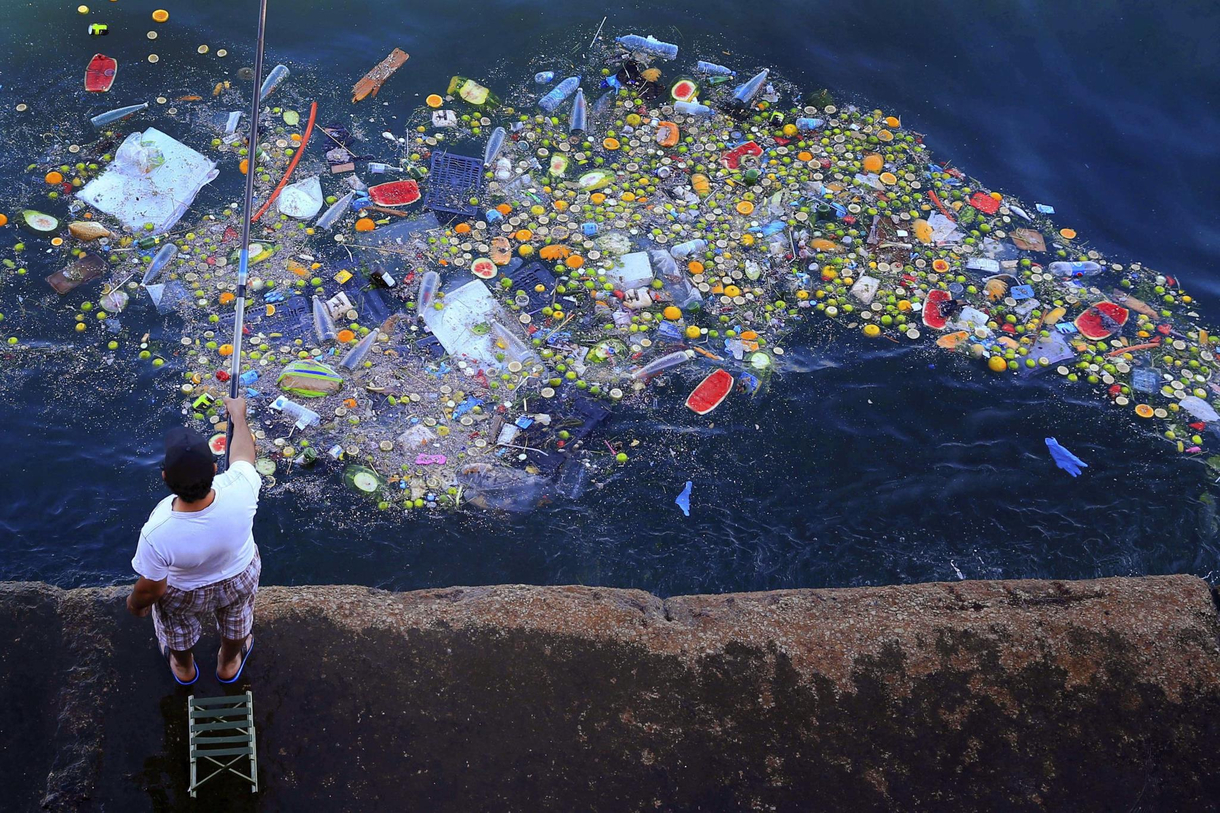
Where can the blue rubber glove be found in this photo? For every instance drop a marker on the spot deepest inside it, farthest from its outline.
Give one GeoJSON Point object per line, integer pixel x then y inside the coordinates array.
{"type": "Point", "coordinates": [1065, 459]}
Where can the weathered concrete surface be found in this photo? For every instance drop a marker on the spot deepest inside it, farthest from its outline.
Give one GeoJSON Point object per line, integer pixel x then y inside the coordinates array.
{"type": "Point", "coordinates": [1020, 695]}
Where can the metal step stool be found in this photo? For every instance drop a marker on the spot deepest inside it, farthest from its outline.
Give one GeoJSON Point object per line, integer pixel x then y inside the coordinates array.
{"type": "Point", "coordinates": [222, 728]}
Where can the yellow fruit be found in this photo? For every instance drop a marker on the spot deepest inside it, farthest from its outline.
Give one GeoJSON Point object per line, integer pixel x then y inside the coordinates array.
{"type": "Point", "coordinates": [790, 130]}
{"type": "Point", "coordinates": [872, 331]}
{"type": "Point", "coordinates": [160, 15]}
{"type": "Point", "coordinates": [692, 332]}
{"type": "Point", "coordinates": [731, 290]}
{"type": "Point", "coordinates": [1143, 410]}
{"type": "Point", "coordinates": [888, 178]}
{"type": "Point", "coordinates": [873, 162]}
{"type": "Point", "coordinates": [673, 313]}
{"type": "Point", "coordinates": [434, 101]}
{"type": "Point", "coordinates": [745, 207]}
{"type": "Point", "coordinates": [923, 231]}
{"type": "Point", "coordinates": [997, 364]}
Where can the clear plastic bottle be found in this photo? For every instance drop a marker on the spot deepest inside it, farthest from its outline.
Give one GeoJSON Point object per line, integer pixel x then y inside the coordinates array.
{"type": "Point", "coordinates": [688, 248]}
{"type": "Point", "coordinates": [693, 109]}
{"type": "Point", "coordinates": [323, 325]}
{"type": "Point", "coordinates": [355, 356]}
{"type": "Point", "coordinates": [579, 118]}
{"type": "Point", "coordinates": [514, 348]}
{"type": "Point", "coordinates": [111, 116]}
{"type": "Point", "coordinates": [428, 286]}
{"type": "Point", "coordinates": [167, 253]}
{"type": "Point", "coordinates": [494, 144]}
{"type": "Point", "coordinates": [302, 415]}
{"type": "Point", "coordinates": [648, 45]}
{"type": "Point", "coordinates": [278, 74]}
{"type": "Point", "coordinates": [1075, 269]}
{"type": "Point", "coordinates": [557, 94]}
{"type": "Point", "coordinates": [336, 210]}
{"type": "Point", "coordinates": [544, 77]}
{"type": "Point", "coordinates": [712, 69]}
{"type": "Point", "coordinates": [666, 362]}
{"type": "Point", "coordinates": [746, 91]}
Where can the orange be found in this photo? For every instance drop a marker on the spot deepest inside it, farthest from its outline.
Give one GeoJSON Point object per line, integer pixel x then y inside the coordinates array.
{"type": "Point", "coordinates": [745, 207]}
{"type": "Point", "coordinates": [345, 336]}
{"type": "Point", "coordinates": [888, 178]}
{"type": "Point", "coordinates": [804, 155]}
{"type": "Point", "coordinates": [1143, 410]}
{"type": "Point", "coordinates": [673, 313]}
{"type": "Point", "coordinates": [695, 267]}
{"type": "Point", "coordinates": [873, 162]}
{"type": "Point", "coordinates": [160, 15]}
{"type": "Point", "coordinates": [244, 165]}
{"type": "Point", "coordinates": [434, 100]}
{"type": "Point", "coordinates": [54, 177]}
{"type": "Point", "coordinates": [3, 220]}
{"type": "Point", "coordinates": [575, 261]}
{"type": "Point", "coordinates": [462, 228]}
{"type": "Point", "coordinates": [295, 136]}
{"type": "Point", "coordinates": [885, 135]}
{"type": "Point", "coordinates": [350, 403]}
{"type": "Point", "coordinates": [227, 297]}
{"type": "Point", "coordinates": [892, 121]}
{"type": "Point", "coordinates": [610, 143]}
{"type": "Point", "coordinates": [1067, 234]}
{"type": "Point", "coordinates": [940, 265]}
{"type": "Point", "coordinates": [226, 350]}
{"type": "Point", "coordinates": [597, 197]}
{"type": "Point", "coordinates": [504, 209]}
{"type": "Point", "coordinates": [523, 235]}
{"type": "Point", "coordinates": [365, 224]}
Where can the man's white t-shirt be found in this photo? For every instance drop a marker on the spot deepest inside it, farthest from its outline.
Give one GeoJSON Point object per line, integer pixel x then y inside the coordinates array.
{"type": "Point", "coordinates": [198, 548]}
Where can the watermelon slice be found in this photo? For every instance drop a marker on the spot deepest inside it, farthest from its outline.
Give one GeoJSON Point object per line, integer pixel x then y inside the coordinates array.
{"type": "Point", "coordinates": [684, 90]}
{"type": "Point", "coordinates": [559, 165]}
{"type": "Point", "coordinates": [596, 179]}
{"type": "Point", "coordinates": [100, 73]}
{"type": "Point", "coordinates": [1101, 320]}
{"type": "Point", "coordinates": [936, 309]}
{"type": "Point", "coordinates": [217, 443]}
{"type": "Point", "coordinates": [362, 479]}
{"type": "Point", "coordinates": [483, 268]}
{"type": "Point", "coordinates": [395, 193]}
{"type": "Point", "coordinates": [710, 392]}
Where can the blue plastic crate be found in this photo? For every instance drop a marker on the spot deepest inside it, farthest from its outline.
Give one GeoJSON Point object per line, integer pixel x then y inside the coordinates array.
{"type": "Point", "coordinates": [452, 181]}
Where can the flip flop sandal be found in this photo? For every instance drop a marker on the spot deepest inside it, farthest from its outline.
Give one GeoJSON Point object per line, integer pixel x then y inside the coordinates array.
{"type": "Point", "coordinates": [165, 654]}
{"type": "Point", "coordinates": [245, 653]}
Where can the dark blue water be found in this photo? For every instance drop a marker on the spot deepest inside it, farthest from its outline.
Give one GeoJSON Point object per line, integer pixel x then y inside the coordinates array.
{"type": "Point", "coordinates": [859, 466]}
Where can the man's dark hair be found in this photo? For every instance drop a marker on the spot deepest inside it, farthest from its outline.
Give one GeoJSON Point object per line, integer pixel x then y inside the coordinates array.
{"type": "Point", "coordinates": [188, 464]}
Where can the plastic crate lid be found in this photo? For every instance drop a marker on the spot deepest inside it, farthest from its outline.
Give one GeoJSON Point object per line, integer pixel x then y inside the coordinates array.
{"type": "Point", "coordinates": [452, 181]}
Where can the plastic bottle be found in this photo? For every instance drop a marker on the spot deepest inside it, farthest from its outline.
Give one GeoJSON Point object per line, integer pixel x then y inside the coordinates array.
{"type": "Point", "coordinates": [712, 69]}
{"type": "Point", "coordinates": [111, 116]}
{"type": "Point", "coordinates": [578, 120]}
{"type": "Point", "coordinates": [278, 74]}
{"type": "Point", "coordinates": [323, 325]}
{"type": "Point", "coordinates": [356, 355]}
{"type": "Point", "coordinates": [746, 91]}
{"type": "Point", "coordinates": [494, 144]}
{"type": "Point", "coordinates": [557, 94]}
{"type": "Point", "coordinates": [1075, 269]}
{"type": "Point", "coordinates": [648, 45]}
{"type": "Point", "coordinates": [676, 283]}
{"type": "Point", "coordinates": [336, 210]}
{"type": "Point", "coordinates": [806, 123]}
{"type": "Point", "coordinates": [428, 286]}
{"type": "Point", "coordinates": [514, 348]}
{"type": "Point", "coordinates": [692, 109]}
{"type": "Point", "coordinates": [302, 415]}
{"type": "Point", "coordinates": [167, 253]}
{"type": "Point", "coordinates": [665, 362]}
{"type": "Point", "coordinates": [689, 247]}
{"type": "Point", "coordinates": [544, 77]}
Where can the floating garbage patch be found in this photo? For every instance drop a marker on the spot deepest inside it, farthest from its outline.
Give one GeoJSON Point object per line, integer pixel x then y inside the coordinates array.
{"type": "Point", "coordinates": [448, 311]}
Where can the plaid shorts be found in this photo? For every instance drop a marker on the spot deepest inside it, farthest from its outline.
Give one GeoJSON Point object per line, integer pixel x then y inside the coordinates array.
{"type": "Point", "coordinates": [179, 616]}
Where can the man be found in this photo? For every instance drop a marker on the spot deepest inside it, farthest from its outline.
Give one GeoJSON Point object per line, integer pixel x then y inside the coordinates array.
{"type": "Point", "coordinates": [196, 557]}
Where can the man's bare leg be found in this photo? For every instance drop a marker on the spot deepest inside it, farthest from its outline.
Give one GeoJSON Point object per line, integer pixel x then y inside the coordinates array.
{"type": "Point", "coordinates": [228, 660]}
{"type": "Point", "coordinates": [182, 664]}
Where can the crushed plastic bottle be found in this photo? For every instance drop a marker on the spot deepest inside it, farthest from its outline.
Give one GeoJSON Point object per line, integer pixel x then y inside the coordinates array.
{"type": "Point", "coordinates": [428, 286]}
{"type": "Point", "coordinates": [648, 45]}
{"type": "Point", "coordinates": [712, 69]}
{"type": "Point", "coordinates": [166, 253]}
{"type": "Point", "coordinates": [495, 143]}
{"type": "Point", "coordinates": [697, 246]}
{"type": "Point", "coordinates": [278, 74]}
{"type": "Point", "coordinates": [356, 355]}
{"type": "Point", "coordinates": [323, 324]}
{"type": "Point", "coordinates": [544, 77]}
{"type": "Point", "coordinates": [301, 415]}
{"type": "Point", "coordinates": [336, 210]}
{"type": "Point", "coordinates": [666, 362]}
{"type": "Point", "coordinates": [557, 94]}
{"type": "Point", "coordinates": [119, 113]}
{"type": "Point", "coordinates": [746, 91]}
{"type": "Point", "coordinates": [578, 120]}
{"type": "Point", "coordinates": [1075, 269]}
{"type": "Point", "coordinates": [693, 109]}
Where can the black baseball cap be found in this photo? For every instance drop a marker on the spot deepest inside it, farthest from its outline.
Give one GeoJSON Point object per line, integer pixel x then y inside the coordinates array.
{"type": "Point", "coordinates": [188, 459]}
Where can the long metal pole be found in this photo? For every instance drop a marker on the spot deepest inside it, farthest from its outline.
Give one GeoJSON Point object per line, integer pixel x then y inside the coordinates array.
{"type": "Point", "coordinates": [243, 268]}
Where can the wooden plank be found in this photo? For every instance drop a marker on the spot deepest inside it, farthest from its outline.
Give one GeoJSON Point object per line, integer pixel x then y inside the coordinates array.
{"type": "Point", "coordinates": [221, 752]}
{"type": "Point", "coordinates": [372, 81]}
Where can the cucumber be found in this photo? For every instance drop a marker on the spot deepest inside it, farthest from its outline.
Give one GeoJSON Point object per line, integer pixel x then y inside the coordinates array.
{"type": "Point", "coordinates": [265, 466]}
{"type": "Point", "coordinates": [39, 222]}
